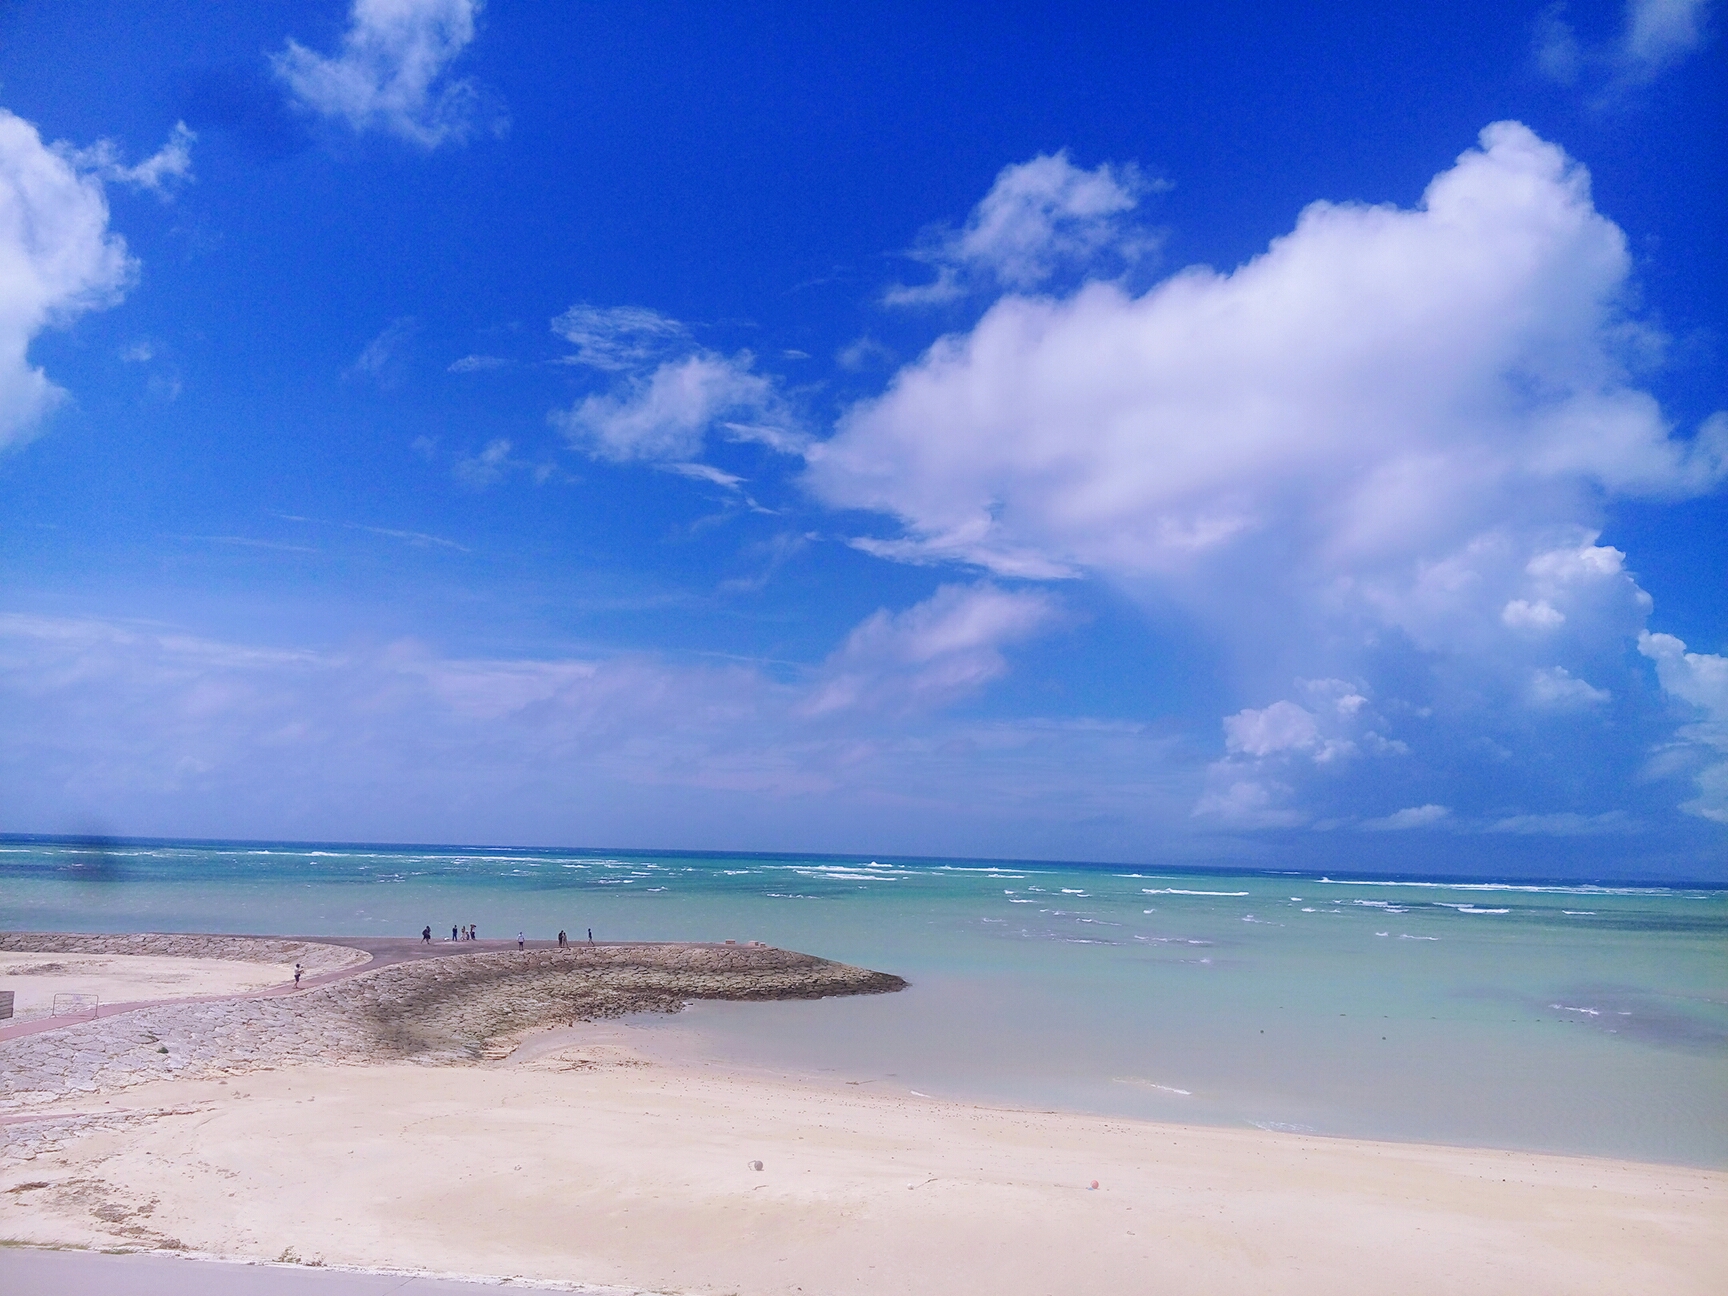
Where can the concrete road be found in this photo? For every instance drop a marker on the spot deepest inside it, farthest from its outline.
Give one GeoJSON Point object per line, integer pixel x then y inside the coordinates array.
{"type": "Point", "coordinates": [26, 1272]}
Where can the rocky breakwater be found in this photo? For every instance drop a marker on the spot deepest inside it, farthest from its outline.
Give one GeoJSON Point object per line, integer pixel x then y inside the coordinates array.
{"type": "Point", "coordinates": [460, 1009]}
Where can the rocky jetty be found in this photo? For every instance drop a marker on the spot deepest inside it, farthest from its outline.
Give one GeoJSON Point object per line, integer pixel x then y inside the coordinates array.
{"type": "Point", "coordinates": [453, 1010]}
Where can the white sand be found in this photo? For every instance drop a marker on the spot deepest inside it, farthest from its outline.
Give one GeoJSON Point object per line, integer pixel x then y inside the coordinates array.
{"type": "Point", "coordinates": [595, 1165]}
{"type": "Point", "coordinates": [35, 979]}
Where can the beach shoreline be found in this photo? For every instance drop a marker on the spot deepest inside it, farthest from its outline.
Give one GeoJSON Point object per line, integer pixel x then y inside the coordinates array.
{"type": "Point", "coordinates": [610, 1154]}
{"type": "Point", "coordinates": [585, 1164]}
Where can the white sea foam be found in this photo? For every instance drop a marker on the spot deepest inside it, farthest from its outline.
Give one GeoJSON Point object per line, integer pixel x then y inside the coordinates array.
{"type": "Point", "coordinates": [1589, 1012]}
{"type": "Point", "coordinates": [1579, 913]}
{"type": "Point", "coordinates": [1282, 1127]}
{"type": "Point", "coordinates": [1151, 1084]}
{"type": "Point", "coordinates": [1521, 886]}
{"type": "Point", "coordinates": [1408, 936]}
{"type": "Point", "coordinates": [1465, 908]}
{"type": "Point", "coordinates": [1180, 891]}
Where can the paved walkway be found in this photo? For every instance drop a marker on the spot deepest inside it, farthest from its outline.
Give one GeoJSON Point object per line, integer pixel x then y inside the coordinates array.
{"type": "Point", "coordinates": [27, 1272]}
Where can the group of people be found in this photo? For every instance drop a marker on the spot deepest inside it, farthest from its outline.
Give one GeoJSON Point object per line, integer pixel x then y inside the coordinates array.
{"type": "Point", "coordinates": [472, 932]}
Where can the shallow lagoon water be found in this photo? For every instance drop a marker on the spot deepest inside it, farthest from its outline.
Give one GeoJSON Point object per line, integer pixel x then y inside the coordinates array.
{"type": "Point", "coordinates": [1588, 1019]}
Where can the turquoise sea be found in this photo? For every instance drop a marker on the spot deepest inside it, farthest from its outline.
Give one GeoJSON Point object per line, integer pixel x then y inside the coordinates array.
{"type": "Point", "coordinates": [1558, 1016]}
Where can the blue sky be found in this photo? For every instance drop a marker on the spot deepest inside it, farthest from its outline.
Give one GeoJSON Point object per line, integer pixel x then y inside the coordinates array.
{"type": "Point", "coordinates": [1252, 436]}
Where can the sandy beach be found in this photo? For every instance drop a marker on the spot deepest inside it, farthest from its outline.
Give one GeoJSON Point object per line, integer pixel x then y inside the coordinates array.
{"type": "Point", "coordinates": [74, 974]}
{"type": "Point", "coordinates": [603, 1154]}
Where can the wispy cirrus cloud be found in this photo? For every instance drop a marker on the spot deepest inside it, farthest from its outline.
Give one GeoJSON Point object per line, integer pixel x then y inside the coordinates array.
{"type": "Point", "coordinates": [666, 414]}
{"type": "Point", "coordinates": [1422, 816]}
{"type": "Point", "coordinates": [159, 173]}
{"type": "Point", "coordinates": [477, 364]}
{"type": "Point", "coordinates": [381, 360]}
{"type": "Point", "coordinates": [668, 393]}
{"type": "Point", "coordinates": [931, 654]}
{"type": "Point", "coordinates": [388, 741]}
{"type": "Point", "coordinates": [617, 339]}
{"type": "Point", "coordinates": [1655, 35]}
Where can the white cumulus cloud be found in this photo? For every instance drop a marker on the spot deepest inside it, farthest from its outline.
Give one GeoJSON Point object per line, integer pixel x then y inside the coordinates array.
{"type": "Point", "coordinates": [1380, 449]}
{"type": "Point", "coordinates": [1701, 681]}
{"type": "Point", "coordinates": [392, 71]}
{"type": "Point", "coordinates": [58, 259]}
{"type": "Point", "coordinates": [1283, 726]}
{"type": "Point", "coordinates": [1381, 382]}
{"type": "Point", "coordinates": [1039, 218]}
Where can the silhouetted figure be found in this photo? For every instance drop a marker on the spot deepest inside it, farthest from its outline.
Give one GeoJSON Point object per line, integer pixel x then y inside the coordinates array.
{"type": "Point", "coordinates": [297, 971]}
{"type": "Point", "coordinates": [426, 935]}
{"type": "Point", "coordinates": [590, 935]}
{"type": "Point", "coordinates": [518, 940]}
{"type": "Point", "coordinates": [452, 931]}
{"type": "Point", "coordinates": [561, 941]}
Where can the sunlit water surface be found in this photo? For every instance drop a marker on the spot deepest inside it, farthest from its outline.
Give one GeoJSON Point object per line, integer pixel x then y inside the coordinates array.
{"type": "Point", "coordinates": [1590, 1019]}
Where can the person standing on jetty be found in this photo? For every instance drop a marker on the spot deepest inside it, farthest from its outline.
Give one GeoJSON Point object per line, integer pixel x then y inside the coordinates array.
{"type": "Point", "coordinates": [519, 939]}
{"type": "Point", "coordinates": [561, 941]}
{"type": "Point", "coordinates": [426, 935]}
{"type": "Point", "coordinates": [297, 971]}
